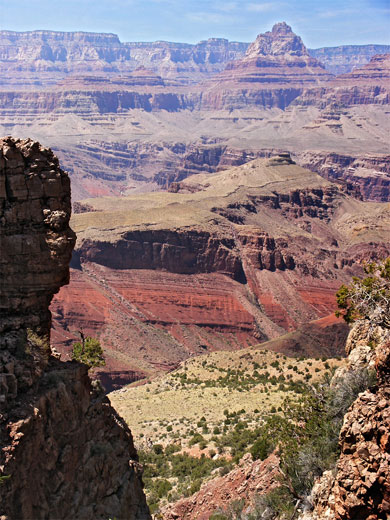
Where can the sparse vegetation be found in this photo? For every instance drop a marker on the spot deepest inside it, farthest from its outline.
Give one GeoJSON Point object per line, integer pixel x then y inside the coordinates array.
{"type": "Point", "coordinates": [367, 297]}
{"type": "Point", "coordinates": [196, 412]}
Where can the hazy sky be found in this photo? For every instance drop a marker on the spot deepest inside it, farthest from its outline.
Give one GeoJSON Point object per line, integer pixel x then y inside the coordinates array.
{"type": "Point", "coordinates": [326, 23]}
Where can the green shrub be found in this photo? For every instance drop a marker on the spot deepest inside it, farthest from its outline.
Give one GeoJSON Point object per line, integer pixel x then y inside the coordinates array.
{"type": "Point", "coordinates": [89, 352]}
{"type": "Point", "coordinates": [260, 449]}
{"type": "Point", "coordinates": [197, 438]}
{"type": "Point", "coordinates": [367, 297]}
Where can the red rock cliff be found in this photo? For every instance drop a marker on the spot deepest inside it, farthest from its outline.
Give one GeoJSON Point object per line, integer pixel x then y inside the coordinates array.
{"type": "Point", "coordinates": [65, 453]}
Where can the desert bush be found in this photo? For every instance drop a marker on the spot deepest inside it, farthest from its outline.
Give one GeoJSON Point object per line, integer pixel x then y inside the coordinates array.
{"type": "Point", "coordinates": [261, 448]}
{"type": "Point", "coordinates": [368, 297]}
{"type": "Point", "coordinates": [89, 352]}
{"type": "Point", "coordinates": [307, 431]}
{"type": "Point", "coordinates": [197, 438]}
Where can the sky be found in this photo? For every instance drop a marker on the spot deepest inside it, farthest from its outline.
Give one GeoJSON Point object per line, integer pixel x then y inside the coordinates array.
{"type": "Point", "coordinates": [319, 23]}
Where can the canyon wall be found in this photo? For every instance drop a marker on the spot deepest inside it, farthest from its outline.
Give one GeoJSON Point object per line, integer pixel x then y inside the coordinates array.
{"type": "Point", "coordinates": [41, 58]}
{"type": "Point", "coordinates": [223, 260]}
{"type": "Point", "coordinates": [164, 165]}
{"type": "Point", "coordinates": [368, 173]}
{"type": "Point", "coordinates": [65, 452]}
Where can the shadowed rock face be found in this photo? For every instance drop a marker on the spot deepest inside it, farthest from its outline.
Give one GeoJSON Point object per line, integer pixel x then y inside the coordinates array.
{"type": "Point", "coordinates": [65, 451]}
{"type": "Point", "coordinates": [36, 240]}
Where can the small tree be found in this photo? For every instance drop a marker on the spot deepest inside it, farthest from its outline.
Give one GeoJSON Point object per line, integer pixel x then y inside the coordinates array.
{"type": "Point", "coordinates": [89, 352]}
{"type": "Point", "coordinates": [367, 297]}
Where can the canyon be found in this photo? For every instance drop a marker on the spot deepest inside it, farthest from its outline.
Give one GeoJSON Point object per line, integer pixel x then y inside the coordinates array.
{"type": "Point", "coordinates": [222, 260]}
{"type": "Point", "coordinates": [123, 119]}
{"type": "Point", "coordinates": [128, 120]}
{"type": "Point", "coordinates": [221, 194]}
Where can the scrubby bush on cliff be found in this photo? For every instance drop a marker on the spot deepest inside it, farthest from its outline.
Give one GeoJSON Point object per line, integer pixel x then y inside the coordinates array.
{"type": "Point", "coordinates": [89, 352]}
{"type": "Point", "coordinates": [260, 449]}
{"type": "Point", "coordinates": [367, 297]}
{"type": "Point", "coordinates": [306, 435]}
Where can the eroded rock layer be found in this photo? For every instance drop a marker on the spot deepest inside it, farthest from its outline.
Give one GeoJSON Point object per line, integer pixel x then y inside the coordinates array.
{"type": "Point", "coordinates": [240, 256]}
{"type": "Point", "coordinates": [65, 453]}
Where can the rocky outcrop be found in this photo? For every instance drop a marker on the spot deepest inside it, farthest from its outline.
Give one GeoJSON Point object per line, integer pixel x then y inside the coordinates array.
{"type": "Point", "coordinates": [36, 240]}
{"type": "Point", "coordinates": [369, 173]}
{"type": "Point", "coordinates": [65, 452]}
{"type": "Point", "coordinates": [273, 72]}
{"type": "Point", "coordinates": [278, 56]}
{"type": "Point", "coordinates": [247, 481]}
{"type": "Point", "coordinates": [360, 487]}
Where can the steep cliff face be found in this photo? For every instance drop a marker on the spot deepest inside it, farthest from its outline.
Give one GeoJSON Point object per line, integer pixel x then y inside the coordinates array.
{"type": "Point", "coordinates": [369, 173]}
{"type": "Point", "coordinates": [360, 487]}
{"type": "Point", "coordinates": [36, 241]}
{"type": "Point", "coordinates": [368, 85]}
{"type": "Point", "coordinates": [65, 452]}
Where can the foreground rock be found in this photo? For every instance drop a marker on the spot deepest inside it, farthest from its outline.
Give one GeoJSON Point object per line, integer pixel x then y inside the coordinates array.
{"type": "Point", "coordinates": [247, 481]}
{"type": "Point", "coordinates": [65, 452]}
{"type": "Point", "coordinates": [360, 487]}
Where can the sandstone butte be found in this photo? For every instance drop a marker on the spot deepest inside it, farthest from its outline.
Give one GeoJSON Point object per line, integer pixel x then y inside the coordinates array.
{"type": "Point", "coordinates": [130, 118]}
{"type": "Point", "coordinates": [65, 452]}
{"type": "Point", "coordinates": [222, 260]}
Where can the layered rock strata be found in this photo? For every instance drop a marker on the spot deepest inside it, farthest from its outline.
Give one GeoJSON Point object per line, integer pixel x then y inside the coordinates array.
{"type": "Point", "coordinates": [65, 453]}
{"type": "Point", "coordinates": [368, 173]}
{"type": "Point", "coordinates": [368, 85]}
{"type": "Point", "coordinates": [345, 58]}
{"type": "Point", "coordinates": [240, 256]}
{"type": "Point", "coordinates": [43, 57]}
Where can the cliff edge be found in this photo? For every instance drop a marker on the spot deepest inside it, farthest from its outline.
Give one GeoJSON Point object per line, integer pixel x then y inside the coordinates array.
{"type": "Point", "coordinates": [65, 453]}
